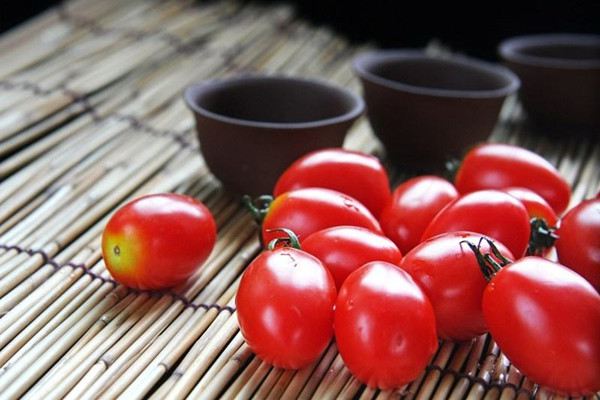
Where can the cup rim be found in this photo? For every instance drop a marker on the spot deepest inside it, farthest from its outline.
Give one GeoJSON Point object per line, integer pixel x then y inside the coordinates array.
{"type": "Point", "coordinates": [193, 91]}
{"type": "Point", "coordinates": [359, 65]}
{"type": "Point", "coordinates": [511, 49]}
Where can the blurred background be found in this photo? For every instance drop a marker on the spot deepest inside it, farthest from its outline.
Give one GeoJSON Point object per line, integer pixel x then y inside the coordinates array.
{"type": "Point", "coordinates": [473, 28]}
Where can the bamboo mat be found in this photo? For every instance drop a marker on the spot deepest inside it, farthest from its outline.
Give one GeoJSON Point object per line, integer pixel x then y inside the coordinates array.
{"type": "Point", "coordinates": [91, 115]}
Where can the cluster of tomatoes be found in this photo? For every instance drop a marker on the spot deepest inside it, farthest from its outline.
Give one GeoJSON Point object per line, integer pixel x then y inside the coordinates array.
{"type": "Point", "coordinates": [388, 274]}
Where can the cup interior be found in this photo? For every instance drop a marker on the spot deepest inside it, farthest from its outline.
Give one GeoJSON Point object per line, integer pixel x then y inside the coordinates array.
{"type": "Point", "coordinates": [414, 71]}
{"type": "Point", "coordinates": [274, 102]}
{"type": "Point", "coordinates": [554, 50]}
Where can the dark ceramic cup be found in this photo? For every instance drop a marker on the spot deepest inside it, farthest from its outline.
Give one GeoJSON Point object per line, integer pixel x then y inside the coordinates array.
{"type": "Point", "coordinates": [560, 75]}
{"type": "Point", "coordinates": [251, 128]}
{"type": "Point", "coordinates": [426, 110]}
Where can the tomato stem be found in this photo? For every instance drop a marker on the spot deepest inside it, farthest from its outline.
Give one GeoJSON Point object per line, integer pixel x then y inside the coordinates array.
{"type": "Point", "coordinates": [290, 241]}
{"type": "Point", "coordinates": [258, 207]}
{"type": "Point", "coordinates": [452, 167]}
{"type": "Point", "coordinates": [541, 238]}
{"type": "Point", "coordinates": [488, 265]}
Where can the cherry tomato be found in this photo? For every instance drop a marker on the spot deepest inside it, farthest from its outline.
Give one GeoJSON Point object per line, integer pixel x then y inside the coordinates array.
{"type": "Point", "coordinates": [535, 204]}
{"type": "Point", "coordinates": [449, 274]}
{"type": "Point", "coordinates": [158, 241]}
{"type": "Point", "coordinates": [546, 319]}
{"type": "Point", "coordinates": [497, 166]}
{"type": "Point", "coordinates": [384, 326]}
{"type": "Point", "coordinates": [578, 244]}
{"type": "Point", "coordinates": [413, 206]}
{"type": "Point", "coordinates": [356, 174]}
{"type": "Point", "coordinates": [305, 211]}
{"type": "Point", "coordinates": [489, 212]}
{"type": "Point", "coordinates": [342, 249]}
{"type": "Point", "coordinates": [285, 307]}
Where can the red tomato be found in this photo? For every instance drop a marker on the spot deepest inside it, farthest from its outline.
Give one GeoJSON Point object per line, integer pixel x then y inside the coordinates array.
{"type": "Point", "coordinates": [535, 204]}
{"type": "Point", "coordinates": [285, 307]}
{"type": "Point", "coordinates": [449, 274]}
{"type": "Point", "coordinates": [489, 212]}
{"type": "Point", "coordinates": [305, 211]}
{"type": "Point", "coordinates": [384, 326]}
{"type": "Point", "coordinates": [546, 319]}
{"type": "Point", "coordinates": [578, 244]}
{"type": "Point", "coordinates": [497, 166]}
{"type": "Point", "coordinates": [413, 206]}
{"type": "Point", "coordinates": [158, 241]}
{"type": "Point", "coordinates": [345, 248]}
{"type": "Point", "coordinates": [358, 175]}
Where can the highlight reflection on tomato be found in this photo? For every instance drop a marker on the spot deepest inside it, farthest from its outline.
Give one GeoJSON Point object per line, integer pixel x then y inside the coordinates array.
{"type": "Point", "coordinates": [158, 241]}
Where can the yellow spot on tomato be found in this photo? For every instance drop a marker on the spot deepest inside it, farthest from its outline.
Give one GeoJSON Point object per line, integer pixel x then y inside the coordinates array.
{"type": "Point", "coordinates": [122, 253]}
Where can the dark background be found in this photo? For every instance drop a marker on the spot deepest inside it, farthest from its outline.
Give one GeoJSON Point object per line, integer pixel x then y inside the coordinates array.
{"type": "Point", "coordinates": [474, 28]}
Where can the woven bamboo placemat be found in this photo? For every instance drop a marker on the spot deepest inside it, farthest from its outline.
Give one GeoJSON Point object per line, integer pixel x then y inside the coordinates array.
{"type": "Point", "coordinates": [91, 115]}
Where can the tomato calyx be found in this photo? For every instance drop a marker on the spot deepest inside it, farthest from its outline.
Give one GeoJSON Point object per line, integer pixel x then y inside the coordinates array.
{"type": "Point", "coordinates": [489, 264]}
{"type": "Point", "coordinates": [451, 169]}
{"type": "Point", "coordinates": [259, 207]}
{"type": "Point", "coordinates": [291, 240]}
{"type": "Point", "coordinates": [542, 237]}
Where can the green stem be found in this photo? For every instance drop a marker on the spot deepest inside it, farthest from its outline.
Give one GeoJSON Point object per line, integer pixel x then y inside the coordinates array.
{"type": "Point", "coordinates": [487, 264]}
{"type": "Point", "coordinates": [258, 207]}
{"type": "Point", "coordinates": [291, 240]}
{"type": "Point", "coordinates": [541, 238]}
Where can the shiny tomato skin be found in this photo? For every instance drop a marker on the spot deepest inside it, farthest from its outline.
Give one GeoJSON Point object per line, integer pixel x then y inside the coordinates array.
{"type": "Point", "coordinates": [578, 244]}
{"type": "Point", "coordinates": [308, 210]}
{"type": "Point", "coordinates": [535, 204]}
{"type": "Point", "coordinates": [384, 326]}
{"type": "Point", "coordinates": [285, 306]}
{"type": "Point", "coordinates": [546, 319]}
{"type": "Point", "coordinates": [359, 175]}
{"type": "Point", "coordinates": [447, 271]}
{"type": "Point", "coordinates": [497, 166]}
{"type": "Point", "coordinates": [158, 241]}
{"type": "Point", "coordinates": [490, 212]}
{"type": "Point", "coordinates": [343, 249]}
{"type": "Point", "coordinates": [413, 206]}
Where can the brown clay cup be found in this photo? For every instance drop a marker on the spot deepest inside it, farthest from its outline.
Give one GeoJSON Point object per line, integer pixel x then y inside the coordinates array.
{"type": "Point", "coordinates": [560, 75]}
{"type": "Point", "coordinates": [251, 128]}
{"type": "Point", "coordinates": [427, 110]}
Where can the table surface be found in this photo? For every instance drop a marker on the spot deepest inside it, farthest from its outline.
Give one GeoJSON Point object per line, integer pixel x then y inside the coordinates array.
{"type": "Point", "coordinates": [91, 115]}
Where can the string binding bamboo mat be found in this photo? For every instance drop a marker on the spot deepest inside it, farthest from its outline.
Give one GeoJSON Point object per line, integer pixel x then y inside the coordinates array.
{"type": "Point", "coordinates": [91, 115]}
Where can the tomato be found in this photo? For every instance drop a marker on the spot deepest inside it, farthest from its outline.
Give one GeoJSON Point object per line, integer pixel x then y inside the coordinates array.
{"type": "Point", "coordinates": [497, 166]}
{"type": "Point", "coordinates": [489, 212]}
{"type": "Point", "coordinates": [413, 206]}
{"type": "Point", "coordinates": [546, 319]}
{"type": "Point", "coordinates": [345, 248]}
{"type": "Point", "coordinates": [158, 241]}
{"type": "Point", "coordinates": [578, 244]}
{"type": "Point", "coordinates": [449, 274]}
{"type": "Point", "coordinates": [384, 326]}
{"type": "Point", "coordinates": [285, 306]}
{"type": "Point", "coordinates": [535, 204]}
{"type": "Point", "coordinates": [356, 174]}
{"type": "Point", "coordinates": [305, 211]}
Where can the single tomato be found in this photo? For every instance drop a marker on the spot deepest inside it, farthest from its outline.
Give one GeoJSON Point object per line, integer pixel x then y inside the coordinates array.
{"type": "Point", "coordinates": [356, 174]}
{"type": "Point", "coordinates": [449, 274]}
{"type": "Point", "coordinates": [546, 319]}
{"type": "Point", "coordinates": [489, 212]}
{"type": "Point", "coordinates": [285, 306]}
{"type": "Point", "coordinates": [158, 241]}
{"type": "Point", "coordinates": [305, 211]}
{"type": "Point", "coordinates": [384, 326]}
{"type": "Point", "coordinates": [413, 206]}
{"type": "Point", "coordinates": [343, 249]}
{"type": "Point", "coordinates": [578, 244]}
{"type": "Point", "coordinates": [498, 166]}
